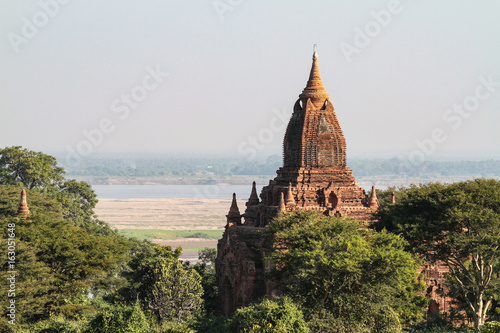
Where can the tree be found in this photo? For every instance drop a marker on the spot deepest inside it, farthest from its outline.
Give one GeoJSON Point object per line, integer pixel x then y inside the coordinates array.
{"type": "Point", "coordinates": [206, 269]}
{"type": "Point", "coordinates": [9, 203]}
{"type": "Point", "coordinates": [35, 283]}
{"type": "Point", "coordinates": [144, 257]}
{"type": "Point", "coordinates": [278, 315]}
{"type": "Point", "coordinates": [458, 224]}
{"type": "Point", "coordinates": [57, 263]}
{"type": "Point", "coordinates": [161, 283]}
{"type": "Point", "coordinates": [39, 173]}
{"type": "Point", "coordinates": [119, 319]}
{"type": "Point", "coordinates": [78, 201]}
{"type": "Point", "coordinates": [207, 256]}
{"type": "Point", "coordinates": [345, 274]}
{"type": "Point", "coordinates": [176, 291]}
{"type": "Point", "coordinates": [29, 168]}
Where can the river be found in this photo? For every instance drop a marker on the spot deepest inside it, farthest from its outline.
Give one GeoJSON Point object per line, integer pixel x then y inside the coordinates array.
{"type": "Point", "coordinates": [173, 191]}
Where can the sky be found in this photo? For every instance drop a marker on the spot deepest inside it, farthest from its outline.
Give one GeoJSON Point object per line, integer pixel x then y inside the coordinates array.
{"type": "Point", "coordinates": [409, 79]}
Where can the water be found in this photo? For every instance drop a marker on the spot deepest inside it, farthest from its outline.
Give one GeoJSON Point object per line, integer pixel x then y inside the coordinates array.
{"type": "Point", "coordinates": [174, 191]}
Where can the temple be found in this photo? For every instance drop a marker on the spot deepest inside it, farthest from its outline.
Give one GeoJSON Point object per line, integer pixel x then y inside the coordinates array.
{"type": "Point", "coordinates": [314, 176]}
{"type": "Point", "coordinates": [23, 210]}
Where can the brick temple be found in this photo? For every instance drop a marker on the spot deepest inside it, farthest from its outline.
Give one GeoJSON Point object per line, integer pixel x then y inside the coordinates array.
{"type": "Point", "coordinates": [314, 176]}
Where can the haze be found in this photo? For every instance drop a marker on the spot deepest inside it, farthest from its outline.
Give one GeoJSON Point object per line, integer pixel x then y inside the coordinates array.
{"type": "Point", "coordinates": [403, 76]}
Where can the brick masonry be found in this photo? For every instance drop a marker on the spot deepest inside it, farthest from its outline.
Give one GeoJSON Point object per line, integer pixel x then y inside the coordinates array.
{"type": "Point", "coordinates": [314, 176]}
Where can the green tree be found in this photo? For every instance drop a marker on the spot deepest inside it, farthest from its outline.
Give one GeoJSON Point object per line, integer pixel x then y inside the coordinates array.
{"type": "Point", "coordinates": [28, 168]}
{"type": "Point", "coordinates": [39, 173]}
{"type": "Point", "coordinates": [278, 315]}
{"type": "Point", "coordinates": [144, 257]}
{"type": "Point", "coordinates": [38, 204]}
{"type": "Point", "coordinates": [458, 224]}
{"type": "Point", "coordinates": [176, 293]}
{"type": "Point", "coordinates": [206, 269]}
{"type": "Point", "coordinates": [207, 256]}
{"type": "Point", "coordinates": [207, 321]}
{"type": "Point", "coordinates": [57, 263]}
{"type": "Point", "coordinates": [161, 283]}
{"type": "Point", "coordinates": [344, 274]}
{"type": "Point", "coordinates": [35, 283]}
{"type": "Point", "coordinates": [119, 319]}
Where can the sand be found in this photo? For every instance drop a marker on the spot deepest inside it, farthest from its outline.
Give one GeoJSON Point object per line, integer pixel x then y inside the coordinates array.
{"type": "Point", "coordinates": [167, 214]}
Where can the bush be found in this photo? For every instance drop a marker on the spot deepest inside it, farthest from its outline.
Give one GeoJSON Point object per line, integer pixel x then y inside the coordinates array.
{"type": "Point", "coordinates": [58, 324]}
{"type": "Point", "coordinates": [120, 319]}
{"type": "Point", "coordinates": [270, 315]}
{"type": "Point", "coordinates": [491, 327]}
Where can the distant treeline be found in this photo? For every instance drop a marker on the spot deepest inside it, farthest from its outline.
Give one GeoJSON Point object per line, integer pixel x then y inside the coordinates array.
{"type": "Point", "coordinates": [220, 166]}
{"type": "Point", "coordinates": [173, 166]}
{"type": "Point", "coordinates": [362, 167]}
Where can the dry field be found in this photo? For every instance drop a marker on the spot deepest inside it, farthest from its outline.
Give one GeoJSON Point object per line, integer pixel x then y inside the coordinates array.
{"type": "Point", "coordinates": [167, 214]}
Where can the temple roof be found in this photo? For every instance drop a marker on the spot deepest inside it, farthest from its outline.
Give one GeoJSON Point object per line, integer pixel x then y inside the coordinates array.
{"type": "Point", "coordinates": [313, 137]}
{"type": "Point", "coordinates": [233, 210]}
{"type": "Point", "coordinates": [314, 88]}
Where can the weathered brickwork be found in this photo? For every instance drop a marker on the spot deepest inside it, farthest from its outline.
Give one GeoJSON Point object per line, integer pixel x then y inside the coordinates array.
{"type": "Point", "coordinates": [314, 176]}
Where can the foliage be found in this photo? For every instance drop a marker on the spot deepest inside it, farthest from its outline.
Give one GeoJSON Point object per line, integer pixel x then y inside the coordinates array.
{"type": "Point", "coordinates": [119, 319]}
{"type": "Point", "coordinates": [206, 269]}
{"type": "Point", "coordinates": [207, 256]}
{"type": "Point", "coordinates": [57, 263]}
{"type": "Point", "coordinates": [491, 327]}
{"type": "Point", "coordinates": [341, 272]}
{"type": "Point", "coordinates": [458, 224]}
{"type": "Point", "coordinates": [39, 172]}
{"type": "Point", "coordinates": [209, 323]}
{"type": "Point", "coordinates": [143, 257]}
{"type": "Point", "coordinates": [209, 285]}
{"type": "Point", "coordinates": [57, 324]}
{"type": "Point", "coordinates": [269, 315]}
{"type": "Point", "coordinates": [160, 282]}
{"type": "Point", "coordinates": [38, 204]}
{"type": "Point", "coordinates": [175, 292]}
{"type": "Point", "coordinates": [34, 283]}
{"type": "Point", "coordinates": [28, 168]}
{"type": "Point", "coordinates": [67, 259]}
{"type": "Point", "coordinates": [78, 201]}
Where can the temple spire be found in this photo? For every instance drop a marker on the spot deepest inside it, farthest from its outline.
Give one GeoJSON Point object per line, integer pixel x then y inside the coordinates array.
{"type": "Point", "coordinates": [254, 199]}
{"type": "Point", "coordinates": [289, 196]}
{"type": "Point", "coordinates": [373, 202]}
{"type": "Point", "coordinates": [282, 207]}
{"type": "Point", "coordinates": [314, 88]}
{"type": "Point", "coordinates": [393, 198]}
{"type": "Point", "coordinates": [23, 205]}
{"type": "Point", "coordinates": [233, 210]}
{"type": "Point", "coordinates": [233, 216]}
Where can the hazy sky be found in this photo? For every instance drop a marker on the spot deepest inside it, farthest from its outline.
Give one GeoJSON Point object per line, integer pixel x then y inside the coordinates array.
{"type": "Point", "coordinates": [414, 78]}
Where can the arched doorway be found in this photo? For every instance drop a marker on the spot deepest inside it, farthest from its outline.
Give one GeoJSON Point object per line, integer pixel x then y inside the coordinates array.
{"type": "Point", "coordinates": [332, 200]}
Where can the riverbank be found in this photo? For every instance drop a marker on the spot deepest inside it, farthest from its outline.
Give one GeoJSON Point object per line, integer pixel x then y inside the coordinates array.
{"type": "Point", "coordinates": [189, 223]}
{"type": "Point", "coordinates": [166, 180]}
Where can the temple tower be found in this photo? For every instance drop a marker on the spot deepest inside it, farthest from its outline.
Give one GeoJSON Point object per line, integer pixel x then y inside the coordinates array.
{"type": "Point", "coordinates": [314, 176]}
{"type": "Point", "coordinates": [314, 173]}
{"type": "Point", "coordinates": [23, 210]}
